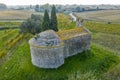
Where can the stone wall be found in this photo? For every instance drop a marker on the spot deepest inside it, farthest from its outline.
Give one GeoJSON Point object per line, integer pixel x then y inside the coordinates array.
{"type": "Point", "coordinates": [47, 57]}
{"type": "Point", "coordinates": [64, 44]}
{"type": "Point", "coordinates": [77, 44]}
{"type": "Point", "coordinates": [47, 50]}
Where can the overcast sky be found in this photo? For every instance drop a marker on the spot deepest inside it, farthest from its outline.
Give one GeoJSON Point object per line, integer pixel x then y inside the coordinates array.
{"type": "Point", "coordinates": [28, 2]}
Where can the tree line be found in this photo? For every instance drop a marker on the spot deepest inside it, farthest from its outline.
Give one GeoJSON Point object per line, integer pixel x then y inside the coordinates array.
{"type": "Point", "coordinates": [37, 23]}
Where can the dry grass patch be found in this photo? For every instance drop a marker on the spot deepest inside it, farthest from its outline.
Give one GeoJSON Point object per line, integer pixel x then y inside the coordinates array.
{"type": "Point", "coordinates": [105, 15]}
{"type": "Point", "coordinates": [66, 34]}
{"type": "Point", "coordinates": [15, 14]}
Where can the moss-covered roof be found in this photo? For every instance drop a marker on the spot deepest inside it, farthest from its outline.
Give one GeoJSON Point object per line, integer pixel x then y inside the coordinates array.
{"type": "Point", "coordinates": [67, 34]}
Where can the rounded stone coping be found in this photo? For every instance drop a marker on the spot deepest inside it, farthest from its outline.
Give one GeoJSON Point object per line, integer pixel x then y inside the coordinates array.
{"type": "Point", "coordinates": [78, 35]}
{"type": "Point", "coordinates": [60, 45]}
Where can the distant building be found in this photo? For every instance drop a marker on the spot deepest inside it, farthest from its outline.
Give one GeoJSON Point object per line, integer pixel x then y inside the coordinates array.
{"type": "Point", "coordinates": [3, 6]}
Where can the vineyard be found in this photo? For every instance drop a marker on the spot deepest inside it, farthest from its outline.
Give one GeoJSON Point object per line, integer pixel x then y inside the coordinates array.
{"type": "Point", "coordinates": [105, 34]}
{"type": "Point", "coordinates": [97, 64]}
{"type": "Point", "coordinates": [9, 39]}
{"type": "Point", "coordinates": [9, 25]}
{"type": "Point", "coordinates": [3, 40]}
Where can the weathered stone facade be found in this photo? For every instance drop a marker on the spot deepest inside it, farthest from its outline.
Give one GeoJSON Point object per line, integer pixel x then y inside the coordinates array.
{"type": "Point", "coordinates": [49, 49]}
{"type": "Point", "coordinates": [76, 45]}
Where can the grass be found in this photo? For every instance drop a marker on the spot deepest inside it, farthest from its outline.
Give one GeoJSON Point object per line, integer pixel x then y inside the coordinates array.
{"type": "Point", "coordinates": [9, 24]}
{"type": "Point", "coordinates": [97, 64]}
{"type": "Point", "coordinates": [66, 34]}
{"type": "Point", "coordinates": [8, 35]}
{"type": "Point", "coordinates": [103, 27]}
{"type": "Point", "coordinates": [93, 64]}
{"type": "Point", "coordinates": [113, 74]}
{"type": "Point", "coordinates": [107, 40]}
{"type": "Point", "coordinates": [108, 36]}
{"type": "Point", "coordinates": [20, 67]}
{"type": "Point", "coordinates": [82, 76]}
{"type": "Point", "coordinates": [64, 22]}
{"type": "Point", "coordinates": [104, 34]}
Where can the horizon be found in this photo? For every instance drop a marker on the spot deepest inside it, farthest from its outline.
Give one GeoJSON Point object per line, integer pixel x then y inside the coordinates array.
{"type": "Point", "coordinates": [57, 2]}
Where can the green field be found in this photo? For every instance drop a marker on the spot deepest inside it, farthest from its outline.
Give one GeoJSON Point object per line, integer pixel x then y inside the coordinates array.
{"type": "Point", "coordinates": [103, 15]}
{"type": "Point", "coordinates": [99, 63]}
{"type": "Point", "coordinates": [105, 34]}
{"type": "Point", "coordinates": [9, 25]}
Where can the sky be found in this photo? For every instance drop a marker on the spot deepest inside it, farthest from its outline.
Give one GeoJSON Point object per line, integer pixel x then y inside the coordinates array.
{"type": "Point", "coordinates": [83, 2]}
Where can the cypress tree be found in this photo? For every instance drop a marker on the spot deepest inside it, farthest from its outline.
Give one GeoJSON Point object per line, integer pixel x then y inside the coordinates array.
{"type": "Point", "coordinates": [46, 21]}
{"type": "Point", "coordinates": [53, 23]}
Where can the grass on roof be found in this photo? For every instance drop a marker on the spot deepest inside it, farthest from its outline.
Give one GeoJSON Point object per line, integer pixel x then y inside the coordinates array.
{"type": "Point", "coordinates": [66, 34]}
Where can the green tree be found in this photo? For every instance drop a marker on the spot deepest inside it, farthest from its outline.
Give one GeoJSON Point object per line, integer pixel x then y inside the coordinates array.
{"type": "Point", "coordinates": [53, 22]}
{"type": "Point", "coordinates": [46, 21]}
{"type": "Point", "coordinates": [32, 25]}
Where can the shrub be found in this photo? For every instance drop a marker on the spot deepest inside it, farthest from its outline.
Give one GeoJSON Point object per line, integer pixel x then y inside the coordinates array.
{"type": "Point", "coordinates": [32, 24]}
{"type": "Point", "coordinates": [8, 33]}
{"type": "Point", "coordinates": [82, 76]}
{"type": "Point", "coordinates": [15, 41]}
{"type": "Point", "coordinates": [2, 53]}
{"type": "Point", "coordinates": [11, 40]}
{"type": "Point", "coordinates": [8, 42]}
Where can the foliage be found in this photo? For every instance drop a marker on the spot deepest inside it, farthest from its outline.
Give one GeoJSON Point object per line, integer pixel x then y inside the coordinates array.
{"type": "Point", "coordinates": [20, 66]}
{"type": "Point", "coordinates": [53, 22]}
{"type": "Point", "coordinates": [7, 39]}
{"type": "Point", "coordinates": [32, 25]}
{"type": "Point", "coordinates": [83, 76]}
{"type": "Point", "coordinates": [2, 53]}
{"type": "Point", "coordinates": [113, 74]}
{"type": "Point", "coordinates": [108, 36]}
{"type": "Point", "coordinates": [46, 21]}
{"type": "Point", "coordinates": [4, 37]}
{"type": "Point", "coordinates": [64, 22]}
{"type": "Point", "coordinates": [13, 42]}
{"type": "Point", "coordinates": [9, 25]}
{"type": "Point", "coordinates": [89, 65]}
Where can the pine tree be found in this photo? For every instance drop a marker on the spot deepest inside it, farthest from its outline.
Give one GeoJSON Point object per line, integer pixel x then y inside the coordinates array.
{"type": "Point", "coordinates": [53, 22]}
{"type": "Point", "coordinates": [46, 21]}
